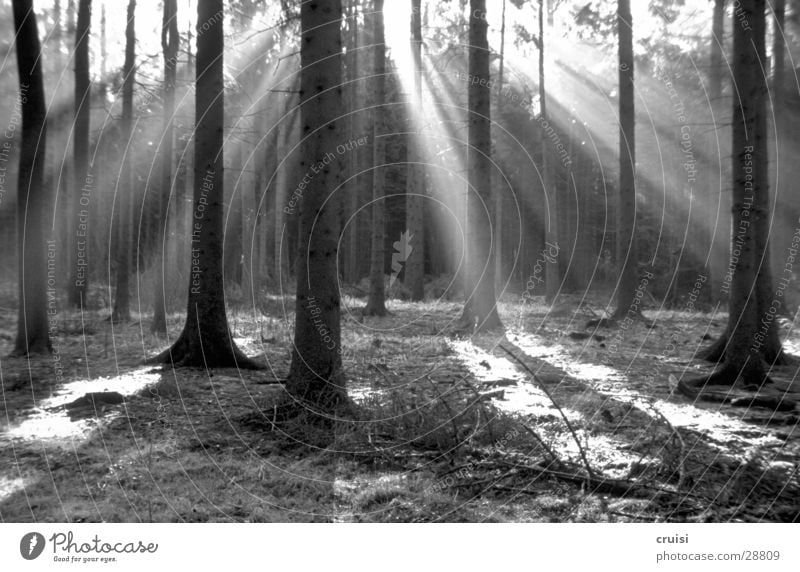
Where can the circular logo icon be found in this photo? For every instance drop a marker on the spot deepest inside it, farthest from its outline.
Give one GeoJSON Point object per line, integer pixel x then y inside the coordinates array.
{"type": "Point", "coordinates": [31, 545]}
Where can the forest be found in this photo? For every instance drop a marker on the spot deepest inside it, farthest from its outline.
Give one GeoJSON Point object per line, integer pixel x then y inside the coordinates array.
{"type": "Point", "coordinates": [399, 261]}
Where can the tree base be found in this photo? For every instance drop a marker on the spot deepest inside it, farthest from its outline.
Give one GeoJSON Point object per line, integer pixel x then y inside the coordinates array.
{"type": "Point", "coordinates": [159, 325]}
{"type": "Point", "coordinates": [716, 353]}
{"type": "Point", "coordinates": [188, 351]}
{"type": "Point", "coordinates": [375, 311]}
{"type": "Point", "coordinates": [754, 379]}
{"type": "Point", "coordinates": [38, 346]}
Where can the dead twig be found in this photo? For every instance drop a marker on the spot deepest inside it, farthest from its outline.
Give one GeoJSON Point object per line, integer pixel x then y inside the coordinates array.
{"type": "Point", "coordinates": [581, 451]}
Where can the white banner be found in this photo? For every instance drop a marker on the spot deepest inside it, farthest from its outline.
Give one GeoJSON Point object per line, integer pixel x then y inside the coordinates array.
{"type": "Point", "coordinates": [382, 547]}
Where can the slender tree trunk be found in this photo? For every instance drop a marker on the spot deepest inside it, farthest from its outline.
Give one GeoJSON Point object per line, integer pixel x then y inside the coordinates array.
{"type": "Point", "coordinates": [500, 277]}
{"type": "Point", "coordinates": [206, 339]}
{"type": "Point", "coordinates": [316, 374]}
{"type": "Point", "coordinates": [170, 42]}
{"type": "Point", "coordinates": [778, 66]}
{"type": "Point", "coordinates": [552, 272]}
{"type": "Point", "coordinates": [751, 338]}
{"type": "Point", "coordinates": [122, 312]}
{"type": "Point", "coordinates": [376, 304]}
{"type": "Point", "coordinates": [35, 259]}
{"type": "Point", "coordinates": [355, 127]}
{"type": "Point", "coordinates": [627, 253]}
{"type": "Point", "coordinates": [103, 52]}
{"type": "Point", "coordinates": [83, 181]}
{"type": "Point", "coordinates": [480, 308]}
{"type": "Point", "coordinates": [717, 41]}
{"type": "Point", "coordinates": [415, 194]}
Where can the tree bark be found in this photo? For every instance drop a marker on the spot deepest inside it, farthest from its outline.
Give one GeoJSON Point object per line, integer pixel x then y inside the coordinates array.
{"type": "Point", "coordinates": [480, 308]}
{"type": "Point", "coordinates": [316, 376]}
{"type": "Point", "coordinates": [83, 178]}
{"type": "Point", "coordinates": [170, 42]}
{"type": "Point", "coordinates": [206, 339]}
{"type": "Point", "coordinates": [122, 312]}
{"type": "Point", "coordinates": [627, 252]}
{"type": "Point", "coordinates": [552, 270]}
{"type": "Point", "coordinates": [778, 55]}
{"type": "Point", "coordinates": [35, 259]}
{"type": "Point", "coordinates": [750, 344]}
{"type": "Point", "coordinates": [376, 304]}
{"type": "Point", "coordinates": [415, 183]}
{"type": "Point", "coordinates": [500, 278]}
{"type": "Point", "coordinates": [717, 41]}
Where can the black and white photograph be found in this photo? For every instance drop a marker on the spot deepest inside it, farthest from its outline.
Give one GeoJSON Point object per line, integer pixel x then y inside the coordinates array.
{"type": "Point", "coordinates": [355, 262]}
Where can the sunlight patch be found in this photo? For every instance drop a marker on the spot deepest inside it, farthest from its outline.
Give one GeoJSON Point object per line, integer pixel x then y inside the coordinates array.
{"type": "Point", "coordinates": [10, 486]}
{"type": "Point", "coordinates": [50, 421]}
{"type": "Point", "coordinates": [718, 426]}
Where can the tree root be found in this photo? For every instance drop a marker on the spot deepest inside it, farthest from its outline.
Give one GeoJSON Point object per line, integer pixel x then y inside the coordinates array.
{"type": "Point", "coordinates": [183, 353]}
{"type": "Point", "coordinates": [729, 376]}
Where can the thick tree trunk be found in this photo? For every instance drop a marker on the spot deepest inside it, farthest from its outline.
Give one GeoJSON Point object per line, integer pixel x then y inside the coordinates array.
{"type": "Point", "coordinates": [480, 308]}
{"type": "Point", "coordinates": [122, 312]}
{"type": "Point", "coordinates": [376, 304]}
{"type": "Point", "coordinates": [751, 338]}
{"type": "Point", "coordinates": [170, 42]}
{"type": "Point", "coordinates": [316, 374]}
{"type": "Point", "coordinates": [552, 270]}
{"type": "Point", "coordinates": [627, 253]}
{"type": "Point", "coordinates": [206, 339]}
{"type": "Point", "coordinates": [415, 183]}
{"type": "Point", "coordinates": [35, 259]}
{"type": "Point", "coordinates": [83, 177]}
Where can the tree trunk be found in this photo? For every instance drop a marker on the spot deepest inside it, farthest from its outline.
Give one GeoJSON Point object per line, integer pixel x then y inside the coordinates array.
{"type": "Point", "coordinates": [778, 66]}
{"type": "Point", "coordinates": [717, 41]}
{"type": "Point", "coordinates": [122, 312]}
{"type": "Point", "coordinates": [552, 271]}
{"type": "Point", "coordinates": [751, 338]}
{"type": "Point", "coordinates": [355, 126]}
{"type": "Point", "coordinates": [103, 53]}
{"type": "Point", "coordinates": [83, 181]}
{"type": "Point", "coordinates": [500, 278]}
{"type": "Point", "coordinates": [627, 254]}
{"type": "Point", "coordinates": [376, 304]}
{"type": "Point", "coordinates": [480, 308]}
{"type": "Point", "coordinates": [206, 339]}
{"type": "Point", "coordinates": [170, 42]}
{"type": "Point", "coordinates": [415, 183]}
{"type": "Point", "coordinates": [35, 259]}
{"type": "Point", "coordinates": [316, 374]}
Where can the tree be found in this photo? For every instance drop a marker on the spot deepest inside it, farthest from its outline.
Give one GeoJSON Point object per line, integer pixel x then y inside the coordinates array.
{"type": "Point", "coordinates": [122, 310]}
{"type": "Point", "coordinates": [33, 198]}
{"type": "Point", "coordinates": [750, 345]}
{"type": "Point", "coordinates": [83, 176]}
{"type": "Point", "coordinates": [480, 308]}
{"type": "Point", "coordinates": [627, 254]}
{"type": "Point", "coordinates": [717, 39]}
{"type": "Point", "coordinates": [415, 182]}
{"type": "Point", "coordinates": [316, 374]}
{"type": "Point", "coordinates": [376, 303]}
{"type": "Point", "coordinates": [552, 272]}
{"type": "Point", "coordinates": [206, 339]}
{"type": "Point", "coordinates": [170, 42]}
{"type": "Point", "coordinates": [497, 183]}
{"type": "Point", "coordinates": [778, 66]}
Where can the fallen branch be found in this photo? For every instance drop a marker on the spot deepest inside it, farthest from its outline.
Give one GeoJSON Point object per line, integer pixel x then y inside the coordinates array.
{"type": "Point", "coordinates": [581, 451]}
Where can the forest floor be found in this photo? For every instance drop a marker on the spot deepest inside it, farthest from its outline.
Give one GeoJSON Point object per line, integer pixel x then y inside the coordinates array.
{"type": "Point", "coordinates": [451, 427]}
